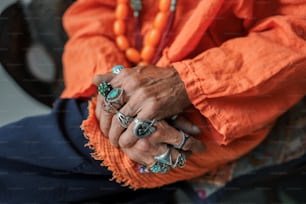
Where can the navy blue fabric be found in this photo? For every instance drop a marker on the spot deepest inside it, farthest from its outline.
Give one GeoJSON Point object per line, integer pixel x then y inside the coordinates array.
{"type": "Point", "coordinates": [43, 160]}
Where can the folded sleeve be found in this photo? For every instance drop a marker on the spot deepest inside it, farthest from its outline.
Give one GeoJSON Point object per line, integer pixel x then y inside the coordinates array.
{"type": "Point", "coordinates": [246, 83]}
{"type": "Point", "coordinates": [90, 49]}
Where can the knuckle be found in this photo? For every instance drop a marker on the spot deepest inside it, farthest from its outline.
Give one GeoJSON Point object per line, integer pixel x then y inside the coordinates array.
{"type": "Point", "coordinates": [154, 105]}
{"type": "Point", "coordinates": [143, 93]}
{"type": "Point", "coordinates": [125, 143]}
{"type": "Point", "coordinates": [143, 145]}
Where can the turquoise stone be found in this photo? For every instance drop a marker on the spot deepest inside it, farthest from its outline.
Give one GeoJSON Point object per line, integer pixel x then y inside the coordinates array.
{"type": "Point", "coordinates": [113, 93]}
{"type": "Point", "coordinates": [116, 69]}
{"type": "Point", "coordinates": [155, 169]}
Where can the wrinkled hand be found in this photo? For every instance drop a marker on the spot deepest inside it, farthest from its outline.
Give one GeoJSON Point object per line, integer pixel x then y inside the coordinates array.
{"type": "Point", "coordinates": [149, 93]}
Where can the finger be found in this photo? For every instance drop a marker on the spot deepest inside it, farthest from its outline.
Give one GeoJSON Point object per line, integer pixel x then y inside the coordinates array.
{"type": "Point", "coordinates": [103, 77]}
{"type": "Point", "coordinates": [115, 131]}
{"type": "Point", "coordinates": [105, 120]}
{"type": "Point", "coordinates": [186, 126]}
{"type": "Point", "coordinates": [127, 138]}
{"type": "Point", "coordinates": [143, 152]}
{"type": "Point", "coordinates": [189, 143]}
{"type": "Point", "coordinates": [171, 136]}
{"type": "Point", "coordinates": [99, 106]}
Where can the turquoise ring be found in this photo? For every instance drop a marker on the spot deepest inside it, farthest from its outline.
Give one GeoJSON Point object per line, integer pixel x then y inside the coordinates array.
{"type": "Point", "coordinates": [160, 167]}
{"type": "Point", "coordinates": [117, 69]}
{"type": "Point", "coordinates": [115, 97]}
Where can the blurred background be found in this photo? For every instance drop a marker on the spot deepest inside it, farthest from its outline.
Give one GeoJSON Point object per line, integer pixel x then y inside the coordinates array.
{"type": "Point", "coordinates": [31, 45]}
{"type": "Point", "coordinates": [15, 103]}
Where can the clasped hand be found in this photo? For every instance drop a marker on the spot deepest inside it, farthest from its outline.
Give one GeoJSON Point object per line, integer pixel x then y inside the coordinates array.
{"type": "Point", "coordinates": [149, 93]}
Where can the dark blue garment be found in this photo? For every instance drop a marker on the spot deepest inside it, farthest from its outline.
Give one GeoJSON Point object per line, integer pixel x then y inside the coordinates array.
{"type": "Point", "coordinates": [43, 160]}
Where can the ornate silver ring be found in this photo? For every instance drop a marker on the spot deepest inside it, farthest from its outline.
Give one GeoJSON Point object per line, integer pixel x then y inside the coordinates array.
{"type": "Point", "coordinates": [159, 167]}
{"type": "Point", "coordinates": [165, 158]}
{"type": "Point", "coordinates": [143, 128]}
{"type": "Point", "coordinates": [180, 161]}
{"type": "Point", "coordinates": [107, 107]}
{"type": "Point", "coordinates": [124, 119]}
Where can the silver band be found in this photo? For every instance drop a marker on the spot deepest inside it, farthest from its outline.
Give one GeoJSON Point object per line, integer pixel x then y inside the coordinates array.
{"type": "Point", "coordinates": [185, 137]}
{"type": "Point", "coordinates": [143, 128]}
{"type": "Point", "coordinates": [123, 119]}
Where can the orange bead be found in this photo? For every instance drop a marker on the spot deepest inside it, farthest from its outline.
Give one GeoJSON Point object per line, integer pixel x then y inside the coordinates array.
{"type": "Point", "coordinates": [164, 5]}
{"type": "Point", "coordinates": [143, 63]}
{"type": "Point", "coordinates": [122, 11]}
{"type": "Point", "coordinates": [153, 37]}
{"type": "Point", "coordinates": [122, 42]}
{"type": "Point", "coordinates": [132, 55]}
{"type": "Point", "coordinates": [119, 27]}
{"type": "Point", "coordinates": [147, 53]}
{"type": "Point", "coordinates": [160, 20]}
{"type": "Point", "coordinates": [123, 1]}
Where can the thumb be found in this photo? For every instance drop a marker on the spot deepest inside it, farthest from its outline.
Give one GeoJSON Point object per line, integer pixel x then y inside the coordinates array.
{"type": "Point", "coordinates": [186, 126]}
{"type": "Point", "coordinates": [103, 77]}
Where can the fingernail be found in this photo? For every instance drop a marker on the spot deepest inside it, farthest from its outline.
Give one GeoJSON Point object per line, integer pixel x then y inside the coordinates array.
{"type": "Point", "coordinates": [196, 129]}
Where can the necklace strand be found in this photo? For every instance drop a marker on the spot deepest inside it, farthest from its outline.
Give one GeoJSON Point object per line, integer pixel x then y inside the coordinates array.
{"type": "Point", "coordinates": [153, 40]}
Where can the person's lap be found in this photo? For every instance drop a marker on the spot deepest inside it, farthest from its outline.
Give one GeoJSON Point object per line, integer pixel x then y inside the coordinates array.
{"type": "Point", "coordinates": [43, 159]}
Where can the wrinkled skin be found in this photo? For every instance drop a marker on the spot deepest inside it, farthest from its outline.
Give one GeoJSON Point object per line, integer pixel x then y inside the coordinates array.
{"type": "Point", "coordinates": [149, 93]}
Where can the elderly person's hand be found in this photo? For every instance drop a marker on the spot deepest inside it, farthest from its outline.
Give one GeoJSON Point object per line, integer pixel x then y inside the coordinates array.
{"type": "Point", "coordinates": [149, 93]}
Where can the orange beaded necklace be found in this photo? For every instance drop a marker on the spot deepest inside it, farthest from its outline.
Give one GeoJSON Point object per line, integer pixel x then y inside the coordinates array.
{"type": "Point", "coordinates": [153, 41]}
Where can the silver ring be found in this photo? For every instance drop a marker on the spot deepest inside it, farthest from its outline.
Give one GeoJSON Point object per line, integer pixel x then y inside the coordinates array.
{"type": "Point", "coordinates": [165, 158]}
{"type": "Point", "coordinates": [174, 117]}
{"type": "Point", "coordinates": [107, 107]}
{"type": "Point", "coordinates": [185, 137]}
{"type": "Point", "coordinates": [115, 96]}
{"type": "Point", "coordinates": [180, 161]}
{"type": "Point", "coordinates": [159, 167]}
{"type": "Point", "coordinates": [143, 128]}
{"type": "Point", "coordinates": [117, 69]}
{"type": "Point", "coordinates": [124, 119]}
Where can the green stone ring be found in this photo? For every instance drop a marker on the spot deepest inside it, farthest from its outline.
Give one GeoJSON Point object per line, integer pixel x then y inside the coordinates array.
{"type": "Point", "coordinates": [104, 88]}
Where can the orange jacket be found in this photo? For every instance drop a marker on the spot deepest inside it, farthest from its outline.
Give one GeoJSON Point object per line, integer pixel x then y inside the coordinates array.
{"type": "Point", "coordinates": [243, 63]}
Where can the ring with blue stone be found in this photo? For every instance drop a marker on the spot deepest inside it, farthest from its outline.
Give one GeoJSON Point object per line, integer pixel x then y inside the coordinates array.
{"type": "Point", "coordinates": [159, 167]}
{"type": "Point", "coordinates": [115, 97]}
{"type": "Point", "coordinates": [117, 69]}
{"type": "Point", "coordinates": [104, 88]}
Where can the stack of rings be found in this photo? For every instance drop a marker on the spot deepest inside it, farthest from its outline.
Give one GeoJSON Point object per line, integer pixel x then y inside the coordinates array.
{"type": "Point", "coordinates": [112, 96]}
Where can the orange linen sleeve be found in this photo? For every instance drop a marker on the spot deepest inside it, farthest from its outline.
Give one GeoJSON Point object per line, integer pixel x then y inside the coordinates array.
{"type": "Point", "coordinates": [246, 83]}
{"type": "Point", "coordinates": [91, 49]}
